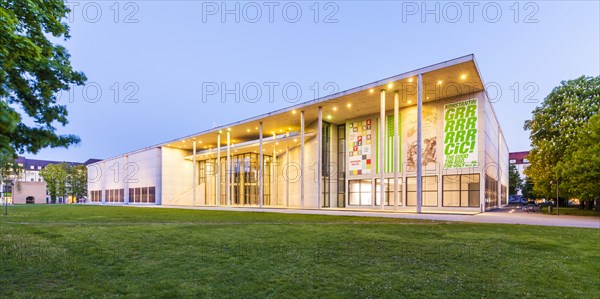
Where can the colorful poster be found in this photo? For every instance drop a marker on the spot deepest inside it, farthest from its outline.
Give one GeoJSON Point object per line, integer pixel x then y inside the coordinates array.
{"type": "Point", "coordinates": [359, 146]}
{"type": "Point", "coordinates": [460, 134]}
{"type": "Point", "coordinates": [429, 137]}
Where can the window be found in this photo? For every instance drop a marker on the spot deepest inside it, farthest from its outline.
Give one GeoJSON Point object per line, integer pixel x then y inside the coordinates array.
{"type": "Point", "coordinates": [389, 191]}
{"type": "Point", "coordinates": [31, 167]}
{"type": "Point", "coordinates": [428, 192]}
{"type": "Point", "coordinates": [39, 167]}
{"type": "Point", "coordinates": [360, 192]}
{"type": "Point", "coordinates": [460, 190]}
{"type": "Point", "coordinates": [512, 161]}
{"type": "Point", "coordinates": [491, 192]}
{"type": "Point", "coordinates": [525, 160]}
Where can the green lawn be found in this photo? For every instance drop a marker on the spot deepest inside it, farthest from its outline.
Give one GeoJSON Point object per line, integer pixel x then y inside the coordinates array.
{"type": "Point", "coordinates": [571, 211]}
{"type": "Point", "coordinates": [95, 251]}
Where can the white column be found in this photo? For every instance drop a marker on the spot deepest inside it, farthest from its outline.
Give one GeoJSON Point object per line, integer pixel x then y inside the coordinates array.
{"type": "Point", "coordinates": [195, 170]}
{"type": "Point", "coordinates": [287, 175]}
{"type": "Point", "coordinates": [382, 149]}
{"type": "Point", "coordinates": [419, 141]}
{"type": "Point", "coordinates": [273, 174]}
{"type": "Point", "coordinates": [218, 170]}
{"type": "Point", "coordinates": [228, 169]}
{"type": "Point", "coordinates": [260, 168]}
{"type": "Point", "coordinates": [396, 149]}
{"type": "Point", "coordinates": [302, 159]}
{"type": "Point", "coordinates": [319, 155]}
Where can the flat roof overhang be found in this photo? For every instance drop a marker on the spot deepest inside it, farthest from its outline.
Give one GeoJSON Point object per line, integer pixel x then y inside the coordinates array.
{"type": "Point", "coordinates": [452, 78]}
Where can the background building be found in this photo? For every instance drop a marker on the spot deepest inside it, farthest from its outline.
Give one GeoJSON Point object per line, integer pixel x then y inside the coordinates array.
{"type": "Point", "coordinates": [519, 159]}
{"type": "Point", "coordinates": [30, 184]}
{"type": "Point", "coordinates": [335, 152]}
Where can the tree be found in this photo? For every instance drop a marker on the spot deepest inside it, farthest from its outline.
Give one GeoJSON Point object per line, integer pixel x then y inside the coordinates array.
{"type": "Point", "coordinates": [32, 72]}
{"type": "Point", "coordinates": [77, 181]}
{"type": "Point", "coordinates": [581, 168]}
{"type": "Point", "coordinates": [527, 189]}
{"type": "Point", "coordinates": [55, 176]}
{"type": "Point", "coordinates": [515, 183]}
{"type": "Point", "coordinates": [554, 127]}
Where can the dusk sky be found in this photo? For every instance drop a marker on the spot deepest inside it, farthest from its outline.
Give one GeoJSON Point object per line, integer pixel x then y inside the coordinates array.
{"type": "Point", "coordinates": [158, 54]}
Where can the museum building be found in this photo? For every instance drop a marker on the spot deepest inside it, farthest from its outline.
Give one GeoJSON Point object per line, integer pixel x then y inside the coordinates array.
{"type": "Point", "coordinates": [422, 141]}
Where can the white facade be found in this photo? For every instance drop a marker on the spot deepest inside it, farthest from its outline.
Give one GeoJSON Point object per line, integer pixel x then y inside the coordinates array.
{"type": "Point", "coordinates": [461, 122]}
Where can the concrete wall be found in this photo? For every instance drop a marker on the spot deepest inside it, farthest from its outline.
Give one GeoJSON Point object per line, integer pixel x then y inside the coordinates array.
{"type": "Point", "coordinates": [139, 169]}
{"type": "Point", "coordinates": [24, 189]}
{"type": "Point", "coordinates": [177, 177]}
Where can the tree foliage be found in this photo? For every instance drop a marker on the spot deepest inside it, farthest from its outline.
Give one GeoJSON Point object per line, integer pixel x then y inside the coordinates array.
{"type": "Point", "coordinates": [581, 168]}
{"type": "Point", "coordinates": [55, 176]}
{"type": "Point", "coordinates": [77, 181]}
{"type": "Point", "coordinates": [63, 179]}
{"type": "Point", "coordinates": [515, 183]}
{"type": "Point", "coordinates": [32, 71]}
{"type": "Point", "coordinates": [527, 189]}
{"type": "Point", "coordinates": [555, 126]}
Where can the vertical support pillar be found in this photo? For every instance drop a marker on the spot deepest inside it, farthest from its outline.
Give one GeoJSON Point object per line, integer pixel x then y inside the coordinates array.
{"type": "Point", "coordinates": [195, 170]}
{"type": "Point", "coordinates": [274, 174]}
{"type": "Point", "coordinates": [396, 149]}
{"type": "Point", "coordinates": [228, 169]}
{"type": "Point", "coordinates": [319, 155]}
{"type": "Point", "coordinates": [302, 159]}
{"type": "Point", "coordinates": [382, 150]}
{"type": "Point", "coordinates": [218, 171]}
{"type": "Point", "coordinates": [260, 167]}
{"type": "Point", "coordinates": [287, 175]}
{"type": "Point", "coordinates": [419, 141]}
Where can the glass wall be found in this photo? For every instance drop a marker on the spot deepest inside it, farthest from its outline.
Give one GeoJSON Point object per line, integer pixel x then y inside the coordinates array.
{"type": "Point", "coordinates": [428, 192]}
{"type": "Point", "coordinates": [142, 195]}
{"type": "Point", "coordinates": [114, 195]}
{"type": "Point", "coordinates": [359, 192]}
{"type": "Point", "coordinates": [388, 185]}
{"type": "Point", "coordinates": [244, 179]}
{"type": "Point", "coordinates": [491, 192]}
{"type": "Point", "coordinates": [461, 190]}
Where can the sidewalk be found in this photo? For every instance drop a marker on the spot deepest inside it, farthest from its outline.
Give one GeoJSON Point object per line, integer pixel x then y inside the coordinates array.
{"type": "Point", "coordinates": [501, 216]}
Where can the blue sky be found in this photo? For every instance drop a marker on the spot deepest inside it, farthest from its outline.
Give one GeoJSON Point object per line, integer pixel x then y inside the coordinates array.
{"type": "Point", "coordinates": [161, 52]}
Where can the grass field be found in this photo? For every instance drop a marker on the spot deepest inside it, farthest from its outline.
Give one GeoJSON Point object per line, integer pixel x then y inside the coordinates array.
{"type": "Point", "coordinates": [571, 211]}
{"type": "Point", "coordinates": [99, 251]}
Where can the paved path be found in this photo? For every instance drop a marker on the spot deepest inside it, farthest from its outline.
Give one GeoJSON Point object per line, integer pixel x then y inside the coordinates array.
{"type": "Point", "coordinates": [504, 215]}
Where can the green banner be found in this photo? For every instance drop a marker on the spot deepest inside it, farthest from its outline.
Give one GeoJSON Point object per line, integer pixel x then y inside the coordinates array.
{"type": "Point", "coordinates": [460, 134]}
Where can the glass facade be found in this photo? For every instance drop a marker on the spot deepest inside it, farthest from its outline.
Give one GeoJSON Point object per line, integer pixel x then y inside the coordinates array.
{"type": "Point", "coordinates": [429, 191]}
{"type": "Point", "coordinates": [461, 190]}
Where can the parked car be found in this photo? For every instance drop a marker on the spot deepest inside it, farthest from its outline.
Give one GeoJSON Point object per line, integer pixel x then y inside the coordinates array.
{"type": "Point", "coordinates": [516, 199]}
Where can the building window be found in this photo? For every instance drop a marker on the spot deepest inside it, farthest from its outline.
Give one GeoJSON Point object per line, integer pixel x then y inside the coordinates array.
{"type": "Point", "coordinates": [525, 160]}
{"type": "Point", "coordinates": [359, 192]}
{"type": "Point", "coordinates": [388, 191]}
{"type": "Point", "coordinates": [428, 192]}
{"type": "Point", "coordinates": [491, 192]}
{"type": "Point", "coordinates": [461, 190]}
{"type": "Point", "coordinates": [512, 161]}
{"type": "Point", "coordinates": [31, 167]}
